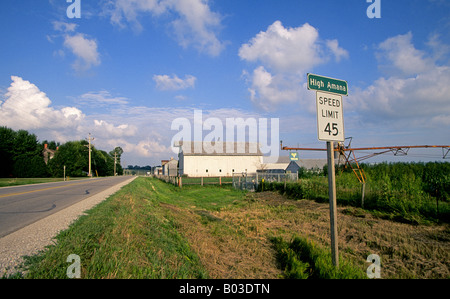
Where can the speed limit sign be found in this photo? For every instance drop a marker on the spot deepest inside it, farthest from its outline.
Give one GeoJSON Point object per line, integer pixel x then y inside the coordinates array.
{"type": "Point", "coordinates": [330, 117]}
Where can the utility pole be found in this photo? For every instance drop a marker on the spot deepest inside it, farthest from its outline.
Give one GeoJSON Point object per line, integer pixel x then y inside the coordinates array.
{"type": "Point", "coordinates": [115, 162]}
{"type": "Point", "coordinates": [89, 140]}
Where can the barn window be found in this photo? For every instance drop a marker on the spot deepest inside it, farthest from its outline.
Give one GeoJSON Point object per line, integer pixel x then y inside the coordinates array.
{"type": "Point", "coordinates": [206, 170]}
{"type": "Point", "coordinates": [220, 170]}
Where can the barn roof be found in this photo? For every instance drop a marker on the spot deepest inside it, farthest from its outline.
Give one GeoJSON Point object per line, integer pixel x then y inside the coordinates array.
{"type": "Point", "coordinates": [190, 148]}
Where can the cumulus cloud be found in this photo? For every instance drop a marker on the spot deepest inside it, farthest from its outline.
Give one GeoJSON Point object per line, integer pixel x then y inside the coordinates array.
{"type": "Point", "coordinates": [197, 25]}
{"type": "Point", "coordinates": [414, 92]}
{"type": "Point", "coordinates": [267, 90]}
{"type": "Point", "coordinates": [285, 56]}
{"type": "Point", "coordinates": [284, 49]}
{"type": "Point", "coordinates": [109, 130]}
{"type": "Point", "coordinates": [26, 107]}
{"type": "Point", "coordinates": [398, 54]}
{"type": "Point", "coordinates": [84, 49]}
{"type": "Point", "coordinates": [165, 82]}
{"type": "Point", "coordinates": [290, 49]}
{"type": "Point", "coordinates": [338, 52]}
{"type": "Point", "coordinates": [193, 23]}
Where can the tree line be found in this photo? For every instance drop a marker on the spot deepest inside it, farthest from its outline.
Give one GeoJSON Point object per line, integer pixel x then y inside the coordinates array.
{"type": "Point", "coordinates": [22, 155]}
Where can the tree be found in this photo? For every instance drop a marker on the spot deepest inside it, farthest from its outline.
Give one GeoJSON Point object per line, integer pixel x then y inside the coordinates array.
{"type": "Point", "coordinates": [74, 155]}
{"type": "Point", "coordinates": [436, 181]}
{"type": "Point", "coordinates": [7, 138]}
{"type": "Point", "coordinates": [20, 154]}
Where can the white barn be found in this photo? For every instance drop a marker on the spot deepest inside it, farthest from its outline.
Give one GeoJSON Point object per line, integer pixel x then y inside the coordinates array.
{"type": "Point", "coordinates": [197, 159]}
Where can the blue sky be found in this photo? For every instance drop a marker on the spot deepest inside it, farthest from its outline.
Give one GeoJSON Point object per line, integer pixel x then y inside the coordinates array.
{"type": "Point", "coordinates": [126, 70]}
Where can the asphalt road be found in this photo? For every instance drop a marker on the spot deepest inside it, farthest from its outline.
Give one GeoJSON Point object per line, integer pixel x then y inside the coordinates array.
{"type": "Point", "coordinates": [24, 205]}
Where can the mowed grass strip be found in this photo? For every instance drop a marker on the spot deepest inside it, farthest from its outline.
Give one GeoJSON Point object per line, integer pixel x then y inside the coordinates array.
{"type": "Point", "coordinates": [127, 236]}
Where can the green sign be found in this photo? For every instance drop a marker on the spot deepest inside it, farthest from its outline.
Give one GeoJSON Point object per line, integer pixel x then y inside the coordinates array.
{"type": "Point", "coordinates": [326, 84]}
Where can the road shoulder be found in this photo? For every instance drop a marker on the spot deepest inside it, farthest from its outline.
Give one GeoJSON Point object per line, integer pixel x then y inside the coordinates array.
{"type": "Point", "coordinates": [35, 237]}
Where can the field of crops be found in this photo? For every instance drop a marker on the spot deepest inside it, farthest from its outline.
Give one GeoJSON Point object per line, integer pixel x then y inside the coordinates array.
{"type": "Point", "coordinates": [407, 192]}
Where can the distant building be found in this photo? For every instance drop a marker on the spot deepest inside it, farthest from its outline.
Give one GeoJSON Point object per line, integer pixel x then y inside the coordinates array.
{"type": "Point", "coordinates": [315, 165]}
{"type": "Point", "coordinates": [170, 167]}
{"type": "Point", "coordinates": [48, 153]}
{"type": "Point", "coordinates": [197, 159]}
{"type": "Point", "coordinates": [157, 170]}
{"type": "Point", "coordinates": [277, 167]}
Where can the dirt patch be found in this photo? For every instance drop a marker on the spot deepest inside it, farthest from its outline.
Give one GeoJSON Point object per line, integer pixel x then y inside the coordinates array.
{"type": "Point", "coordinates": [234, 242]}
{"type": "Point", "coordinates": [225, 252]}
{"type": "Point", "coordinates": [406, 251]}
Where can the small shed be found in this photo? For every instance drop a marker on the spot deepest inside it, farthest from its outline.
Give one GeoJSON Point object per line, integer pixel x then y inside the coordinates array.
{"type": "Point", "coordinates": [170, 167]}
{"type": "Point", "coordinates": [314, 165]}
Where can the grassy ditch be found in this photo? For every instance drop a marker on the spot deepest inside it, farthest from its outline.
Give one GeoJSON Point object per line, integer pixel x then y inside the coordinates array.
{"type": "Point", "coordinates": [127, 236]}
{"type": "Point", "coordinates": [303, 259]}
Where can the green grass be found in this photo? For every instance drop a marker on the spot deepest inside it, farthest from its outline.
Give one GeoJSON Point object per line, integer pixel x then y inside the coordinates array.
{"type": "Point", "coordinates": [212, 198]}
{"type": "Point", "coordinates": [127, 236]}
{"type": "Point", "coordinates": [207, 180]}
{"type": "Point", "coordinates": [303, 259]}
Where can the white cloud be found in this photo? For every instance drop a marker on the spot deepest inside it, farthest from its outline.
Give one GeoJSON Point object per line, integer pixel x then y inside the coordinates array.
{"type": "Point", "coordinates": [273, 90]}
{"type": "Point", "coordinates": [398, 54]}
{"type": "Point", "coordinates": [108, 130]}
{"type": "Point", "coordinates": [64, 27]}
{"type": "Point", "coordinates": [338, 52]}
{"type": "Point", "coordinates": [165, 82]}
{"type": "Point", "coordinates": [84, 49]}
{"type": "Point", "coordinates": [416, 94]}
{"type": "Point", "coordinates": [419, 97]}
{"type": "Point", "coordinates": [194, 24]}
{"type": "Point", "coordinates": [101, 98]}
{"type": "Point", "coordinates": [284, 49]}
{"type": "Point", "coordinates": [26, 107]}
{"type": "Point", "coordinates": [285, 56]}
{"type": "Point", "coordinates": [129, 9]}
{"type": "Point", "coordinates": [197, 25]}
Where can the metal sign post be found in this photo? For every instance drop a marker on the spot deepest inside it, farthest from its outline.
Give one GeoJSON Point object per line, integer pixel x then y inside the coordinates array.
{"type": "Point", "coordinates": [333, 209]}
